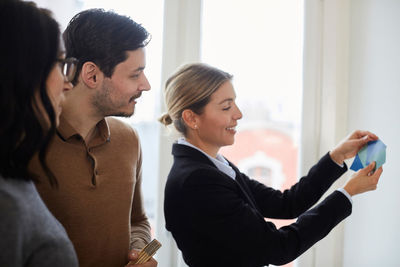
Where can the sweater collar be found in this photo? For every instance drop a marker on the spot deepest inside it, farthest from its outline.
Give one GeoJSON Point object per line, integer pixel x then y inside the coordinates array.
{"type": "Point", "coordinates": [66, 131]}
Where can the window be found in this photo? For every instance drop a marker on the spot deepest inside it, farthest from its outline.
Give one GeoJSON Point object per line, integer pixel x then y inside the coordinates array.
{"type": "Point", "coordinates": [261, 44]}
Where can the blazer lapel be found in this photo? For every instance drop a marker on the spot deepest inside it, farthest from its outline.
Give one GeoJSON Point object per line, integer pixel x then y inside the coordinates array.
{"type": "Point", "coordinates": [186, 151]}
{"type": "Point", "coordinates": [245, 190]}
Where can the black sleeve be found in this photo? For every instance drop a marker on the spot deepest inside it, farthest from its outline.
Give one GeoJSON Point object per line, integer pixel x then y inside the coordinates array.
{"type": "Point", "coordinates": [290, 203]}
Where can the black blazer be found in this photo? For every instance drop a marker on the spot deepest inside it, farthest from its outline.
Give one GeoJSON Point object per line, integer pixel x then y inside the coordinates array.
{"type": "Point", "coordinates": [218, 221]}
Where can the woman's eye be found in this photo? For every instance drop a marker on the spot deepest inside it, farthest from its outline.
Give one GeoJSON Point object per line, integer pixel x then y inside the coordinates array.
{"type": "Point", "coordinates": [227, 108]}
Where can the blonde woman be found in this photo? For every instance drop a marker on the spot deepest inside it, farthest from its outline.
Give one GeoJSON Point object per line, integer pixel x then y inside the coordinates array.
{"type": "Point", "coordinates": [216, 214]}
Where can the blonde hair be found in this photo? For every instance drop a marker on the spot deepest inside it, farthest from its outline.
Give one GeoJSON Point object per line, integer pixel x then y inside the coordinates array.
{"type": "Point", "coordinates": [190, 87]}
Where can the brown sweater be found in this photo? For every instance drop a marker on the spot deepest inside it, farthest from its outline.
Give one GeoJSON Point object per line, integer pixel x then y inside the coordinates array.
{"type": "Point", "coordinates": [99, 199]}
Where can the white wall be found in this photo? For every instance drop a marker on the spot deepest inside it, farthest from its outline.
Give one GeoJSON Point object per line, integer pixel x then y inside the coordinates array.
{"type": "Point", "coordinates": [351, 81]}
{"type": "Point", "coordinates": [372, 232]}
{"type": "Point", "coordinates": [62, 10]}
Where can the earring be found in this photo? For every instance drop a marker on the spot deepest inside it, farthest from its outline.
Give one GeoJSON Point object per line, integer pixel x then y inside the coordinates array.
{"type": "Point", "coordinates": [195, 126]}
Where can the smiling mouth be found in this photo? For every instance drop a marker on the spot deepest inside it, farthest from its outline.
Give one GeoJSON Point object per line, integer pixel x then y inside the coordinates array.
{"type": "Point", "coordinates": [133, 98]}
{"type": "Point", "coordinates": [233, 129]}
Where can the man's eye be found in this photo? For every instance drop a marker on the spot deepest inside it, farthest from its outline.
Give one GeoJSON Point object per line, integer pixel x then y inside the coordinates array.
{"type": "Point", "coordinates": [227, 108]}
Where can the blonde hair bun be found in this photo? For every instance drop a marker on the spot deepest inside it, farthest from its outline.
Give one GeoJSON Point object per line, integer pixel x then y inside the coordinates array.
{"type": "Point", "coordinates": [165, 119]}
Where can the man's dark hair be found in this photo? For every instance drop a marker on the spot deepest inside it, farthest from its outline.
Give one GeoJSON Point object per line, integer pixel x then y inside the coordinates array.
{"type": "Point", "coordinates": [30, 42]}
{"type": "Point", "coordinates": [102, 37]}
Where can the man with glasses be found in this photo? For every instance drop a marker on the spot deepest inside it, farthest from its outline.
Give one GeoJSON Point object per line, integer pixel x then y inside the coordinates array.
{"type": "Point", "coordinates": [97, 158]}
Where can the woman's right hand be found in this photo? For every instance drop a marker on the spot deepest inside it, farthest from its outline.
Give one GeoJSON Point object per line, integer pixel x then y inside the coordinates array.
{"type": "Point", "coordinates": [350, 146]}
{"type": "Point", "coordinates": [364, 180]}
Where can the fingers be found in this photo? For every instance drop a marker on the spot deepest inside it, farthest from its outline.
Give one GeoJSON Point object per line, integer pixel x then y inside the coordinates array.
{"type": "Point", "coordinates": [363, 140]}
{"type": "Point", "coordinates": [360, 134]}
{"type": "Point", "coordinates": [371, 136]}
{"type": "Point", "coordinates": [360, 142]}
{"type": "Point", "coordinates": [150, 263]}
{"type": "Point", "coordinates": [377, 174]}
{"type": "Point", "coordinates": [347, 149]}
{"type": "Point", "coordinates": [369, 169]}
{"type": "Point", "coordinates": [373, 176]}
{"type": "Point", "coordinates": [132, 256]}
{"type": "Point", "coordinates": [364, 180]}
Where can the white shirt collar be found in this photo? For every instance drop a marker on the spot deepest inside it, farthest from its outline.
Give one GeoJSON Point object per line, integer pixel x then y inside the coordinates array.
{"type": "Point", "coordinates": [220, 162]}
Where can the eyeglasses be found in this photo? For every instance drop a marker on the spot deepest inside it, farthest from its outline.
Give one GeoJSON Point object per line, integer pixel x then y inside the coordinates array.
{"type": "Point", "coordinates": [68, 68]}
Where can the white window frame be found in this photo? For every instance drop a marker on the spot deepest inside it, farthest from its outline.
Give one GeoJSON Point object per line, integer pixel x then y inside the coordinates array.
{"type": "Point", "coordinates": [325, 104]}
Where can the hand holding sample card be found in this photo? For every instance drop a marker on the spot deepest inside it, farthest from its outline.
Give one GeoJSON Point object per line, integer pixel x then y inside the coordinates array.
{"type": "Point", "coordinates": [372, 151]}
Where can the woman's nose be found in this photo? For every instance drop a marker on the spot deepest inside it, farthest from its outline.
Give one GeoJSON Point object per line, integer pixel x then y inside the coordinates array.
{"type": "Point", "coordinates": [238, 113]}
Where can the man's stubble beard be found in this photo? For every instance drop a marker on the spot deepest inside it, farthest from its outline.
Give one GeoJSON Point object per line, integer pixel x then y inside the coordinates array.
{"type": "Point", "coordinates": [104, 106]}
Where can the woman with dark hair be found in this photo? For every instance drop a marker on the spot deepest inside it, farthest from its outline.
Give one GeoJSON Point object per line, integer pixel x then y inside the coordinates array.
{"type": "Point", "coordinates": [33, 77]}
{"type": "Point", "coordinates": [216, 213]}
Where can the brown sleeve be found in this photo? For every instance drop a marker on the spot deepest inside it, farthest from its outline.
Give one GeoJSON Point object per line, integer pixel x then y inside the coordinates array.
{"type": "Point", "coordinates": [140, 226]}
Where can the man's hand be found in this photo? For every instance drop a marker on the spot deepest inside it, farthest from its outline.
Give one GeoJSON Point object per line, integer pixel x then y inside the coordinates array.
{"type": "Point", "coordinates": [133, 255]}
{"type": "Point", "coordinates": [350, 146]}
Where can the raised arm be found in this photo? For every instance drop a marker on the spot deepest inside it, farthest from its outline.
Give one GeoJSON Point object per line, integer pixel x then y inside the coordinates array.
{"type": "Point", "coordinates": [300, 197]}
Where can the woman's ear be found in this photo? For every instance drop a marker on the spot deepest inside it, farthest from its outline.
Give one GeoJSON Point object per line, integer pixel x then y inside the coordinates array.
{"type": "Point", "coordinates": [90, 74]}
{"type": "Point", "coordinates": [190, 118]}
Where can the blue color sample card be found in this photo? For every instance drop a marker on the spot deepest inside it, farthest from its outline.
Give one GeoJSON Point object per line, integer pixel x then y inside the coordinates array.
{"type": "Point", "coordinates": [373, 151]}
